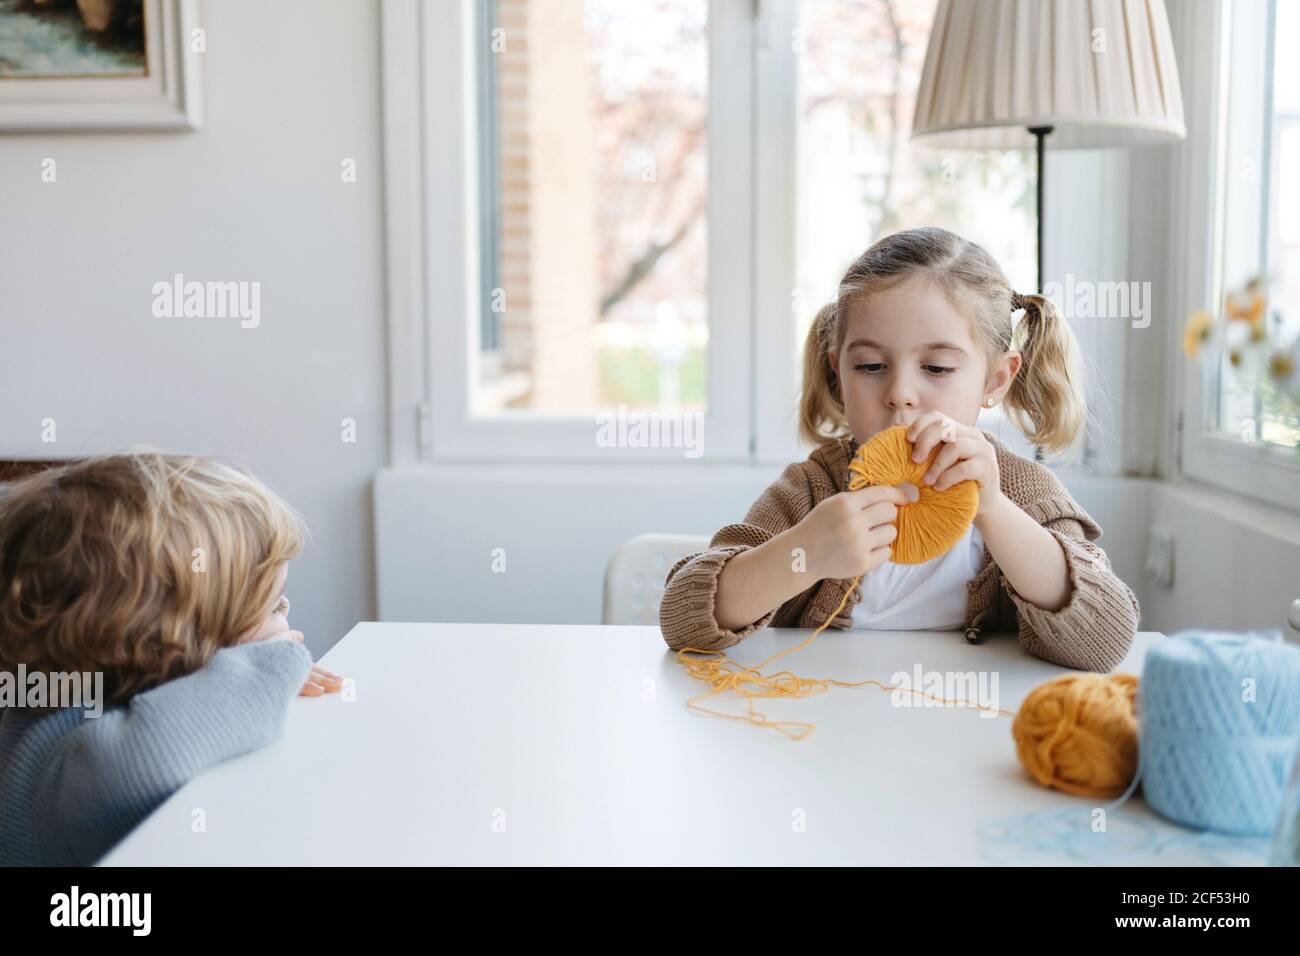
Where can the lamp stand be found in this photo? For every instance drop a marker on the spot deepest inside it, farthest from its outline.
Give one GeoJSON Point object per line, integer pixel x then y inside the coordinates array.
{"type": "Point", "coordinates": [1040, 135]}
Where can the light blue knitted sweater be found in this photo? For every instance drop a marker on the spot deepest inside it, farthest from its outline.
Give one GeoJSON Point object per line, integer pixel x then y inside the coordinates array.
{"type": "Point", "coordinates": [72, 787]}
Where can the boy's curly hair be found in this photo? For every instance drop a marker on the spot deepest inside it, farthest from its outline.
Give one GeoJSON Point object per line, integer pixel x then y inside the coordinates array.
{"type": "Point", "coordinates": [140, 566]}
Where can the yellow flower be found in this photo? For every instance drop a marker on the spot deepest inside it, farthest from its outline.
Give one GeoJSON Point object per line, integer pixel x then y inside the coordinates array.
{"type": "Point", "coordinates": [1280, 365]}
{"type": "Point", "coordinates": [1248, 308]}
{"type": "Point", "coordinates": [1197, 332]}
{"type": "Point", "coordinates": [1284, 369]}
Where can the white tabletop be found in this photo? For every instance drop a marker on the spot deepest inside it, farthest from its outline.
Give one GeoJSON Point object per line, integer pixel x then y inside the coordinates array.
{"type": "Point", "coordinates": [544, 744]}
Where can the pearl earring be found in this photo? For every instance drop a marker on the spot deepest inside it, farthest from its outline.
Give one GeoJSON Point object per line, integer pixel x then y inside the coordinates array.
{"type": "Point", "coordinates": [988, 403]}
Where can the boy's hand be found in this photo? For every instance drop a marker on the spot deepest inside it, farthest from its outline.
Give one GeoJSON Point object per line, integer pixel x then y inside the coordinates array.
{"type": "Point", "coordinates": [319, 681]}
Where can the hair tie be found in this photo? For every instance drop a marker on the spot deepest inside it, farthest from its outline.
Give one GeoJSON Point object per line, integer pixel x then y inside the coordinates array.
{"type": "Point", "coordinates": [1018, 312]}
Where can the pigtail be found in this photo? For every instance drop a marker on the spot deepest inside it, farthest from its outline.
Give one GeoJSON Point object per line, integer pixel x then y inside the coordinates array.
{"type": "Point", "coordinates": [1047, 400]}
{"type": "Point", "coordinates": [821, 406]}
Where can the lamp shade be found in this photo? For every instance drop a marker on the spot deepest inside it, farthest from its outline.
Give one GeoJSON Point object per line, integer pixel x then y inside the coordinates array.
{"type": "Point", "coordinates": [1099, 72]}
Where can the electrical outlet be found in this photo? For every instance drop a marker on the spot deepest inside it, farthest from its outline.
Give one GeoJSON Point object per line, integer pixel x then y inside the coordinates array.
{"type": "Point", "coordinates": [1160, 557]}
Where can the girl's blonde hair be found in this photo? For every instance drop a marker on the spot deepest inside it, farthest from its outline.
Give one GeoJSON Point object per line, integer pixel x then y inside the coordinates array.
{"type": "Point", "coordinates": [140, 566]}
{"type": "Point", "coordinates": [1046, 399]}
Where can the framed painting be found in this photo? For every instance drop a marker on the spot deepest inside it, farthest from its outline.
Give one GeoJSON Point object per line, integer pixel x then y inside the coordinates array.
{"type": "Point", "coordinates": [74, 65]}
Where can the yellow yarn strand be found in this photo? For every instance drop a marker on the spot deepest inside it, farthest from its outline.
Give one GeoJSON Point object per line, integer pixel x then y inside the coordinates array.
{"type": "Point", "coordinates": [941, 520]}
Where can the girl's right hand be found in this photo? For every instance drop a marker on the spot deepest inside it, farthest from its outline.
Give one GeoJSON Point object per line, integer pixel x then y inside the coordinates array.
{"type": "Point", "coordinates": [849, 534]}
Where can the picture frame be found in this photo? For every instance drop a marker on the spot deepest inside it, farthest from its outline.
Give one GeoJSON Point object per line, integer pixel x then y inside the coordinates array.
{"type": "Point", "coordinates": [162, 94]}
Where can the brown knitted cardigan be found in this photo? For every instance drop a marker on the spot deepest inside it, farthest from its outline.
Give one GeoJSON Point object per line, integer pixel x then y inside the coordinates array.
{"type": "Point", "coordinates": [1093, 631]}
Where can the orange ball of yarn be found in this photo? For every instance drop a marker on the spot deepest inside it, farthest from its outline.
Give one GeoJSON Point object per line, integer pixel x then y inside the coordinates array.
{"type": "Point", "coordinates": [936, 520]}
{"type": "Point", "coordinates": [1079, 733]}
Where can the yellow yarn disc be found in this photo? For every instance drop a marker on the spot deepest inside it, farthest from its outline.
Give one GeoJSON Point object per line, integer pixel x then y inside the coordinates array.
{"type": "Point", "coordinates": [929, 526]}
{"type": "Point", "coordinates": [1079, 734]}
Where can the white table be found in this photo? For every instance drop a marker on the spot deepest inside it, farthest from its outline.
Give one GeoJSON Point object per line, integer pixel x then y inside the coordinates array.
{"type": "Point", "coordinates": [544, 744]}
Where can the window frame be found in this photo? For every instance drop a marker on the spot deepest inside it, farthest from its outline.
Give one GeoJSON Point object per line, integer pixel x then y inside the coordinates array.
{"type": "Point", "coordinates": [1211, 35]}
{"type": "Point", "coordinates": [433, 227]}
{"type": "Point", "coordinates": [775, 424]}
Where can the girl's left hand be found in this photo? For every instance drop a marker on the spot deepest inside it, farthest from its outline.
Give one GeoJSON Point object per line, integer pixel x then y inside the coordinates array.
{"type": "Point", "coordinates": [966, 455]}
{"type": "Point", "coordinates": [320, 681]}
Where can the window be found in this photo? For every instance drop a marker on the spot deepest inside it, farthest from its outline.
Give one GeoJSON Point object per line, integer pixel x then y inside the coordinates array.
{"type": "Point", "coordinates": [595, 178]}
{"type": "Point", "coordinates": [569, 229]}
{"type": "Point", "coordinates": [1261, 228]}
{"type": "Point", "coordinates": [1239, 430]}
{"type": "Point", "coordinates": [598, 208]}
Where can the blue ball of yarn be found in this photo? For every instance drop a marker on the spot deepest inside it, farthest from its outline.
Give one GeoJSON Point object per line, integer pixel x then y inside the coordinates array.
{"type": "Point", "coordinates": [1219, 724]}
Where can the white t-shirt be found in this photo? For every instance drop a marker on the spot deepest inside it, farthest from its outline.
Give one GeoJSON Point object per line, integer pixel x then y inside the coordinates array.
{"type": "Point", "coordinates": [921, 597]}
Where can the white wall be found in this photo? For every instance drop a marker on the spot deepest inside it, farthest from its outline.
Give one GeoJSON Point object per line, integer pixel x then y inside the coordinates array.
{"type": "Point", "coordinates": [290, 89]}
{"type": "Point", "coordinates": [1236, 561]}
{"type": "Point", "coordinates": [438, 526]}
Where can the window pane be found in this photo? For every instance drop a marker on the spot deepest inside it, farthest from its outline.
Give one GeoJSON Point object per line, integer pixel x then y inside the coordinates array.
{"type": "Point", "coordinates": [1279, 419]}
{"type": "Point", "coordinates": [859, 177]}
{"type": "Point", "coordinates": [1254, 403]}
{"type": "Point", "coordinates": [595, 160]}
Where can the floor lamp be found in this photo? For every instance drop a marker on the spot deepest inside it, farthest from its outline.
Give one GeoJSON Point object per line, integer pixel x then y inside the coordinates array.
{"type": "Point", "coordinates": [1020, 74]}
